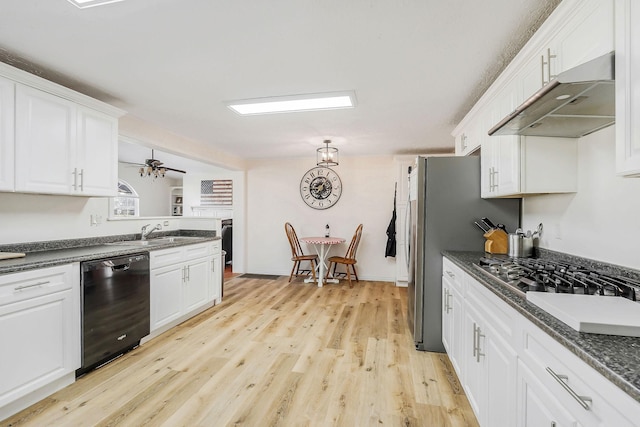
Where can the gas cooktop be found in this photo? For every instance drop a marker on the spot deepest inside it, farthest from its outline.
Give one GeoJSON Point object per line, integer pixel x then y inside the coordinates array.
{"type": "Point", "coordinates": [542, 275]}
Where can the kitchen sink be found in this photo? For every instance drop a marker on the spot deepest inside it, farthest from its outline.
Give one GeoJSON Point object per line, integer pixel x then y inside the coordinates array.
{"type": "Point", "coordinates": [156, 241]}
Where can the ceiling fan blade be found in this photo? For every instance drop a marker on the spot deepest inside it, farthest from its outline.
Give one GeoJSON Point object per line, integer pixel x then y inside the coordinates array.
{"type": "Point", "coordinates": [175, 170]}
{"type": "Point", "coordinates": [133, 163]}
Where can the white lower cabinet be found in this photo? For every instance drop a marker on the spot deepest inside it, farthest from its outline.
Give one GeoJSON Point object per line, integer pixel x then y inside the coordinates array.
{"type": "Point", "coordinates": [40, 334]}
{"type": "Point", "coordinates": [536, 406]}
{"type": "Point", "coordinates": [184, 280]}
{"type": "Point", "coordinates": [515, 374]}
{"type": "Point", "coordinates": [490, 362]}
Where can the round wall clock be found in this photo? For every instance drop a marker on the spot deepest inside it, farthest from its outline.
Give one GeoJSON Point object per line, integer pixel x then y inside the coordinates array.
{"type": "Point", "coordinates": [320, 188]}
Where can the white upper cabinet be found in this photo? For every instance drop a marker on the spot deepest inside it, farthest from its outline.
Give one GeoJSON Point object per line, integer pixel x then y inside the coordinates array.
{"type": "Point", "coordinates": [513, 166]}
{"type": "Point", "coordinates": [588, 35]}
{"type": "Point", "coordinates": [54, 140]}
{"type": "Point", "coordinates": [62, 147]}
{"type": "Point", "coordinates": [97, 152]}
{"type": "Point", "coordinates": [7, 90]}
{"type": "Point", "coordinates": [45, 142]}
{"type": "Point", "coordinates": [627, 88]}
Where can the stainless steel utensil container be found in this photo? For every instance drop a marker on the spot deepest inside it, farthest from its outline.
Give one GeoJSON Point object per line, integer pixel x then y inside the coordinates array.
{"type": "Point", "coordinates": [520, 246]}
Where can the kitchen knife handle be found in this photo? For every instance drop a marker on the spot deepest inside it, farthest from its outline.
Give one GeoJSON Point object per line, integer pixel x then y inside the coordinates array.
{"type": "Point", "coordinates": [489, 223]}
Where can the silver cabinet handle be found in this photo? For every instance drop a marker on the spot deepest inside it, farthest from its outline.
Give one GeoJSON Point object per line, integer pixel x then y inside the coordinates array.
{"type": "Point", "coordinates": [184, 274]}
{"type": "Point", "coordinates": [562, 380]}
{"type": "Point", "coordinates": [475, 340]}
{"type": "Point", "coordinates": [542, 63]}
{"type": "Point", "coordinates": [81, 179]}
{"type": "Point", "coordinates": [75, 178]}
{"type": "Point", "coordinates": [449, 306]}
{"type": "Point", "coordinates": [549, 58]}
{"type": "Point", "coordinates": [213, 266]}
{"type": "Point", "coordinates": [188, 273]}
{"type": "Point", "coordinates": [33, 285]}
{"type": "Point", "coordinates": [495, 181]}
{"type": "Point", "coordinates": [477, 333]}
{"type": "Point", "coordinates": [453, 276]}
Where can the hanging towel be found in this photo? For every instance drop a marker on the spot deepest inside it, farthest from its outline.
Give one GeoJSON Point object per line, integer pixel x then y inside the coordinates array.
{"type": "Point", "coordinates": [390, 250]}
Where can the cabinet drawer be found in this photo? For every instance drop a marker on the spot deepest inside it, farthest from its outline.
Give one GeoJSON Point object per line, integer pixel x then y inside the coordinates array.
{"type": "Point", "coordinates": [502, 318]}
{"type": "Point", "coordinates": [453, 274]}
{"type": "Point", "coordinates": [163, 257]}
{"type": "Point", "coordinates": [197, 251]}
{"type": "Point", "coordinates": [34, 283]}
{"type": "Point", "coordinates": [575, 385]}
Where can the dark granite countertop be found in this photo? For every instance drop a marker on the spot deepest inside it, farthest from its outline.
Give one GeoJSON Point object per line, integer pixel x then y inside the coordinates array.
{"type": "Point", "coordinates": [58, 252]}
{"type": "Point", "coordinates": [617, 358]}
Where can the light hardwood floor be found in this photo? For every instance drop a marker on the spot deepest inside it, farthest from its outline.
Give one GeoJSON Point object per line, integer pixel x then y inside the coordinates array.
{"type": "Point", "coordinates": [272, 353]}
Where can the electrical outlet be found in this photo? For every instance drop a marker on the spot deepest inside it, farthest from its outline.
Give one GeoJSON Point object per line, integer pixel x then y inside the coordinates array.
{"type": "Point", "coordinates": [557, 231]}
{"type": "Point", "coordinates": [92, 220]}
{"type": "Point", "coordinates": [166, 223]}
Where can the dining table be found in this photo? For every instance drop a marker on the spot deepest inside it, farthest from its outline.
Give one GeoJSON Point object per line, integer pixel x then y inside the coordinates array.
{"type": "Point", "coordinates": [322, 247]}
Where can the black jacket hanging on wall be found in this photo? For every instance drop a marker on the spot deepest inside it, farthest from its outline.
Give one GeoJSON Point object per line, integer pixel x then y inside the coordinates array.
{"type": "Point", "coordinates": [391, 230]}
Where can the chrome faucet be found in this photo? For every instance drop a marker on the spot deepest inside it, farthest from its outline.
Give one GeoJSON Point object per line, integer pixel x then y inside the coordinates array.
{"type": "Point", "coordinates": [144, 233]}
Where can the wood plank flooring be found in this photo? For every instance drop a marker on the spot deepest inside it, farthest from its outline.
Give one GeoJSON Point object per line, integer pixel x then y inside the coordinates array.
{"type": "Point", "coordinates": [272, 354]}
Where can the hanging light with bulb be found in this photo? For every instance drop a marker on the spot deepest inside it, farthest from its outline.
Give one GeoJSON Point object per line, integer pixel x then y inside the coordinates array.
{"type": "Point", "coordinates": [327, 156]}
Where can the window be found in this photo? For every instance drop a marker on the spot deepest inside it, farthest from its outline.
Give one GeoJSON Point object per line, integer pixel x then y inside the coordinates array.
{"type": "Point", "coordinates": [216, 193]}
{"type": "Point", "coordinates": [127, 203]}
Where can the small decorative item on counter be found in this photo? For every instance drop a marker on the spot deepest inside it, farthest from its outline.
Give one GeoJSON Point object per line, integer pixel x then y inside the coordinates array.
{"type": "Point", "coordinates": [327, 231]}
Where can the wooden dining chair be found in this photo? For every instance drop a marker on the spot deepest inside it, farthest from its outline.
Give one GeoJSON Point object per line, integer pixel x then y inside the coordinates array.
{"type": "Point", "coordinates": [297, 256]}
{"type": "Point", "coordinates": [349, 260]}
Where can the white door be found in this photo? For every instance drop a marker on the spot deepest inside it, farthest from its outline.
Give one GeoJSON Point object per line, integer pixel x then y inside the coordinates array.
{"type": "Point", "coordinates": [45, 143]}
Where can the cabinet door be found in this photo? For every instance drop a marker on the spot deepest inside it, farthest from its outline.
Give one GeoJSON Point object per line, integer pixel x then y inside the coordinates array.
{"type": "Point", "coordinates": [215, 282]}
{"type": "Point", "coordinates": [627, 88]}
{"type": "Point", "coordinates": [7, 135]}
{"type": "Point", "coordinates": [474, 363]}
{"type": "Point", "coordinates": [507, 176]}
{"type": "Point", "coordinates": [501, 366]}
{"type": "Point", "coordinates": [537, 406]}
{"type": "Point", "coordinates": [590, 34]}
{"type": "Point", "coordinates": [166, 294]}
{"type": "Point", "coordinates": [197, 283]}
{"type": "Point", "coordinates": [45, 143]}
{"type": "Point", "coordinates": [97, 153]}
{"type": "Point", "coordinates": [447, 316]}
{"type": "Point", "coordinates": [36, 332]}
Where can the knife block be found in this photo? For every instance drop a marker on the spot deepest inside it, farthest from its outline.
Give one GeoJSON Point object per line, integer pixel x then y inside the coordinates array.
{"type": "Point", "coordinates": [497, 241]}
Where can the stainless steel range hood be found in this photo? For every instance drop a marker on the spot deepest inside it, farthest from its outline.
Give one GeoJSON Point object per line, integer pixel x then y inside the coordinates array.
{"type": "Point", "coordinates": [577, 102]}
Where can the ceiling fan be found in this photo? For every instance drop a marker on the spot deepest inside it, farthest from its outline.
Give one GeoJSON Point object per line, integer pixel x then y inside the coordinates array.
{"type": "Point", "coordinates": [154, 167]}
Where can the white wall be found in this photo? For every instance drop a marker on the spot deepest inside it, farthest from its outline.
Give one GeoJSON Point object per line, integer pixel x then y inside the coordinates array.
{"type": "Point", "coordinates": [600, 221]}
{"type": "Point", "coordinates": [273, 198]}
{"type": "Point", "coordinates": [34, 218]}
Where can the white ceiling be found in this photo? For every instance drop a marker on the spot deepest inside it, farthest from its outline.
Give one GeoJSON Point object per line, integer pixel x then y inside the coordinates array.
{"type": "Point", "coordinates": [417, 66]}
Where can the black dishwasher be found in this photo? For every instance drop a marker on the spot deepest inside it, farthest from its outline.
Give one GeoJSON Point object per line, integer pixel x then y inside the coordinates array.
{"type": "Point", "coordinates": [115, 297]}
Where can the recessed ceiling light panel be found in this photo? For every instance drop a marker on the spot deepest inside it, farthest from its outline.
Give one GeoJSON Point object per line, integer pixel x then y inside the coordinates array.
{"type": "Point", "coordinates": [294, 103]}
{"type": "Point", "coordinates": [83, 4]}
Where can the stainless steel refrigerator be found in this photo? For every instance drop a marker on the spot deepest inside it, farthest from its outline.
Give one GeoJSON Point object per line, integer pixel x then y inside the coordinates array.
{"type": "Point", "coordinates": [444, 202]}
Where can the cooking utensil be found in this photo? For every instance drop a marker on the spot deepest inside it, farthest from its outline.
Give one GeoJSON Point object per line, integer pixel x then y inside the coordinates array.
{"type": "Point", "coordinates": [481, 227]}
{"type": "Point", "coordinates": [538, 231]}
{"type": "Point", "coordinates": [502, 227]}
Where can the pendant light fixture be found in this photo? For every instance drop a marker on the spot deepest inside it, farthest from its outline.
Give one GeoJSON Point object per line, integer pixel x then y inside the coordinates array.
{"type": "Point", "coordinates": [327, 156]}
